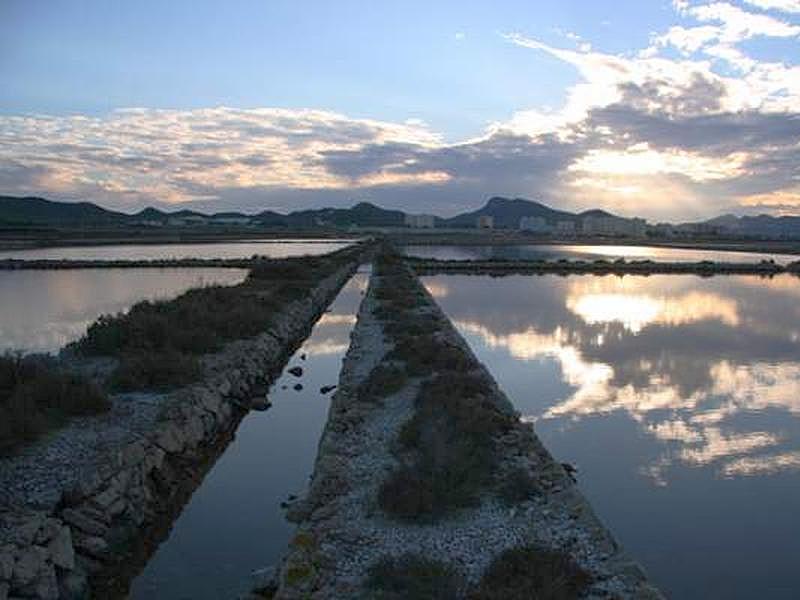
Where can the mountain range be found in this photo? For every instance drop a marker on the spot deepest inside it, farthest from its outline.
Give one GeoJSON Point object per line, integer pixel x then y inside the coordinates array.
{"type": "Point", "coordinates": [506, 213]}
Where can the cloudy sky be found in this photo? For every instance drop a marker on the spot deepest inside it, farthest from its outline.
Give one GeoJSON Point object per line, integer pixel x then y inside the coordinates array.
{"type": "Point", "coordinates": [667, 110]}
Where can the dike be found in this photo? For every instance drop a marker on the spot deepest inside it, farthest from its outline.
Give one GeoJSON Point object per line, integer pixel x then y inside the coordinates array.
{"type": "Point", "coordinates": [401, 506]}
{"type": "Point", "coordinates": [82, 509]}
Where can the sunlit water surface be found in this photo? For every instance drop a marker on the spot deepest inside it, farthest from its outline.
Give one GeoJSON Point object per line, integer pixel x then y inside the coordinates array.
{"type": "Point", "coordinates": [581, 252]}
{"type": "Point", "coordinates": [40, 311]}
{"type": "Point", "coordinates": [677, 398]}
{"type": "Point", "coordinates": [237, 249]}
{"type": "Point", "coordinates": [233, 523]}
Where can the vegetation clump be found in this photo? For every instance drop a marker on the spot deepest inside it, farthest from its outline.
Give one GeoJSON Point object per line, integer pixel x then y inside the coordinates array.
{"type": "Point", "coordinates": [447, 448]}
{"type": "Point", "coordinates": [383, 381]}
{"type": "Point", "coordinates": [413, 576]}
{"type": "Point", "coordinates": [517, 486]}
{"type": "Point", "coordinates": [157, 342]}
{"type": "Point", "coordinates": [532, 572]}
{"type": "Point", "coordinates": [450, 447]}
{"type": "Point", "coordinates": [35, 396]}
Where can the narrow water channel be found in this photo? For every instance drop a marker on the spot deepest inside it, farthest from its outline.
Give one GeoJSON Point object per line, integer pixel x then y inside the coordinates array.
{"type": "Point", "coordinates": [233, 523]}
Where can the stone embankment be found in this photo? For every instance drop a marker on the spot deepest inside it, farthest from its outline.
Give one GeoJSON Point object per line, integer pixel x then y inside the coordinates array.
{"type": "Point", "coordinates": [76, 507]}
{"type": "Point", "coordinates": [618, 267]}
{"type": "Point", "coordinates": [357, 533]}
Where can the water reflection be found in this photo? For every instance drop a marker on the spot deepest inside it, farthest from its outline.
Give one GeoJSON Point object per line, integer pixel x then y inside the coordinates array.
{"type": "Point", "coordinates": [653, 382]}
{"type": "Point", "coordinates": [43, 310]}
{"type": "Point", "coordinates": [233, 523]}
{"type": "Point", "coordinates": [590, 252]}
{"type": "Point", "coordinates": [235, 249]}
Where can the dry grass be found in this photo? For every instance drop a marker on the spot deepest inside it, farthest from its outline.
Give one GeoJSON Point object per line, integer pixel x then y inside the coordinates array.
{"type": "Point", "coordinates": [413, 577]}
{"type": "Point", "coordinates": [36, 397]}
{"type": "Point", "coordinates": [530, 572]}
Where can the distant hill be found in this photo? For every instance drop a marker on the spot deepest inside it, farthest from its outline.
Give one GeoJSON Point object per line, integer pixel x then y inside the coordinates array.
{"type": "Point", "coordinates": [38, 211]}
{"type": "Point", "coordinates": [507, 212]}
{"type": "Point", "coordinates": [758, 226]}
{"type": "Point", "coordinates": [362, 214]}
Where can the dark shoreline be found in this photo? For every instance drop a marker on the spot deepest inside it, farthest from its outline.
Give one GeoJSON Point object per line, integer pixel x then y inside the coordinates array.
{"type": "Point", "coordinates": [602, 267]}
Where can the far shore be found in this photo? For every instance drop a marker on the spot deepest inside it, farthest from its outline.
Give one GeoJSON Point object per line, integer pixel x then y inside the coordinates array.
{"type": "Point", "coordinates": [29, 239]}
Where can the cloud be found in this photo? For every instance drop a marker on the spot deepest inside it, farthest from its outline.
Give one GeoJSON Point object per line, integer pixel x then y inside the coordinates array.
{"type": "Point", "coordinates": [789, 6]}
{"type": "Point", "coordinates": [642, 133]}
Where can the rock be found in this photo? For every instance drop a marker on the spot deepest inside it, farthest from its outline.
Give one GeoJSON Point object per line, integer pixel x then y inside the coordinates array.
{"type": "Point", "coordinates": [61, 551]}
{"type": "Point", "coordinates": [88, 565]}
{"type": "Point", "coordinates": [74, 586]}
{"type": "Point", "coordinates": [296, 371]}
{"type": "Point", "coordinates": [153, 459]}
{"type": "Point", "coordinates": [45, 586]}
{"type": "Point", "coordinates": [169, 439]}
{"type": "Point", "coordinates": [302, 357]}
{"type": "Point", "coordinates": [132, 454]}
{"type": "Point", "coordinates": [298, 387]}
{"type": "Point", "coordinates": [24, 528]}
{"type": "Point", "coordinates": [83, 523]}
{"type": "Point", "coordinates": [326, 388]}
{"type": "Point", "coordinates": [260, 403]}
{"type": "Point", "coordinates": [92, 546]}
{"type": "Point", "coordinates": [6, 561]}
{"type": "Point", "coordinates": [48, 531]}
{"type": "Point", "coordinates": [29, 562]}
{"type": "Point", "coordinates": [264, 581]}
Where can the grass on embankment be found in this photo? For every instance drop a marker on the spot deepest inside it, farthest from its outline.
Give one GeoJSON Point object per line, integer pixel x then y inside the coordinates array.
{"type": "Point", "coordinates": [158, 343]}
{"type": "Point", "coordinates": [36, 397]}
{"type": "Point", "coordinates": [446, 451]}
{"type": "Point", "coordinates": [517, 574]}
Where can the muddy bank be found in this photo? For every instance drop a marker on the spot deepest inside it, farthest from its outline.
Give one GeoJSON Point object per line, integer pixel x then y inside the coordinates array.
{"type": "Point", "coordinates": [426, 477]}
{"type": "Point", "coordinates": [82, 508]}
{"type": "Point", "coordinates": [619, 267]}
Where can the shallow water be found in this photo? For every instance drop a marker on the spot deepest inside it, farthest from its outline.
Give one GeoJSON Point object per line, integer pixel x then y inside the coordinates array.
{"type": "Point", "coordinates": [677, 398]}
{"type": "Point", "coordinates": [580, 252]}
{"type": "Point", "coordinates": [233, 523]}
{"type": "Point", "coordinates": [40, 311]}
{"type": "Point", "coordinates": [237, 249]}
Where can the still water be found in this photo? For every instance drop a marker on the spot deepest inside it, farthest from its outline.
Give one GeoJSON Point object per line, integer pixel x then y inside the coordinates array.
{"type": "Point", "coordinates": [677, 398]}
{"type": "Point", "coordinates": [581, 252]}
{"type": "Point", "coordinates": [233, 523]}
{"type": "Point", "coordinates": [40, 311]}
{"type": "Point", "coordinates": [239, 249]}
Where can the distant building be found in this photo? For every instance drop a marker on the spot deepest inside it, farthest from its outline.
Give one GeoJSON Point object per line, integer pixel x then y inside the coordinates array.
{"type": "Point", "coordinates": [565, 227]}
{"type": "Point", "coordinates": [420, 221]}
{"type": "Point", "coordinates": [613, 226]}
{"type": "Point", "coordinates": [534, 224]}
{"type": "Point", "coordinates": [187, 220]}
{"type": "Point", "coordinates": [485, 222]}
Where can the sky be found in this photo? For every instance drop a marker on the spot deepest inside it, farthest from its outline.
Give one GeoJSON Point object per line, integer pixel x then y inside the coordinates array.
{"type": "Point", "coordinates": [668, 110]}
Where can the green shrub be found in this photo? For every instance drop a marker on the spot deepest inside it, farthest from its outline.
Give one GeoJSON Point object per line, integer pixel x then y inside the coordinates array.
{"type": "Point", "coordinates": [155, 340]}
{"type": "Point", "coordinates": [518, 486]}
{"type": "Point", "coordinates": [426, 354]}
{"type": "Point", "coordinates": [531, 572]}
{"type": "Point", "coordinates": [413, 577]}
{"type": "Point", "coordinates": [383, 381]}
{"type": "Point", "coordinates": [450, 442]}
